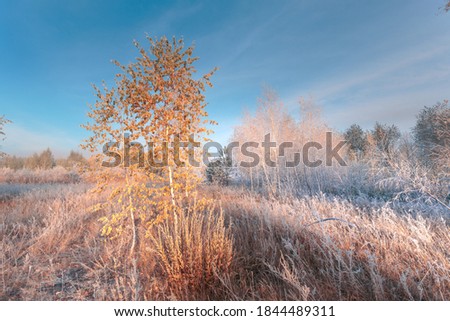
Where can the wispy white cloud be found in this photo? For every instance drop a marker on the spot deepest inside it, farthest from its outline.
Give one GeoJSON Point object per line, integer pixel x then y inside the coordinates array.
{"type": "Point", "coordinates": [166, 20]}
{"type": "Point", "coordinates": [247, 29]}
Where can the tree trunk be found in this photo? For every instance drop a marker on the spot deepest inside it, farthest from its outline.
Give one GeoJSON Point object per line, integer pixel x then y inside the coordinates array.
{"type": "Point", "coordinates": [172, 192]}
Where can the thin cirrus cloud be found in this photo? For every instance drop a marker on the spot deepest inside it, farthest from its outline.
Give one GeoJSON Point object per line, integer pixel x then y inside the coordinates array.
{"type": "Point", "coordinates": [382, 69]}
{"type": "Point", "coordinates": [392, 89]}
{"type": "Point", "coordinates": [361, 61]}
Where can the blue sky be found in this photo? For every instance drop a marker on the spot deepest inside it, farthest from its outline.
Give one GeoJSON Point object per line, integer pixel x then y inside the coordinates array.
{"type": "Point", "coordinates": [362, 61]}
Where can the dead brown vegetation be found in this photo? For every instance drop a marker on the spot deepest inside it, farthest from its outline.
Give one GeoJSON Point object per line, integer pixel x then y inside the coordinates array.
{"type": "Point", "coordinates": [241, 247]}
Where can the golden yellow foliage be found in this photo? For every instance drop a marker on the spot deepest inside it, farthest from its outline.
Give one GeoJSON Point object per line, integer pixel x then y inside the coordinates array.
{"type": "Point", "coordinates": [155, 99]}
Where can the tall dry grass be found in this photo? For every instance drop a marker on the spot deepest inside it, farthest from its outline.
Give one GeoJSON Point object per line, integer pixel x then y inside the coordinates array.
{"type": "Point", "coordinates": [192, 251]}
{"type": "Point", "coordinates": [45, 237]}
{"type": "Point", "coordinates": [240, 245]}
{"type": "Point", "coordinates": [57, 174]}
{"type": "Point", "coordinates": [322, 248]}
{"type": "Point", "coordinates": [52, 249]}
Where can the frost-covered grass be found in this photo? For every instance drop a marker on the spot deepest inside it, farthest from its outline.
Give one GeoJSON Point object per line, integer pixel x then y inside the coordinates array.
{"type": "Point", "coordinates": [367, 231]}
{"type": "Point", "coordinates": [330, 248]}
{"type": "Point", "coordinates": [52, 250]}
{"type": "Point", "coordinates": [26, 176]}
{"type": "Point", "coordinates": [310, 247]}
